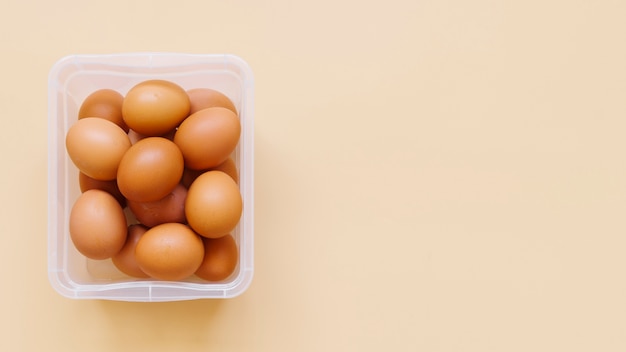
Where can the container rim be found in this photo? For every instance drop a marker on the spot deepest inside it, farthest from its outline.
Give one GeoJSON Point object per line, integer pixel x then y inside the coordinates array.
{"type": "Point", "coordinates": [150, 290]}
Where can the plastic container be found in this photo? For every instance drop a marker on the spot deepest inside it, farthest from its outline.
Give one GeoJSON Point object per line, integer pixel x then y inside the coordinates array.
{"type": "Point", "coordinates": [70, 81]}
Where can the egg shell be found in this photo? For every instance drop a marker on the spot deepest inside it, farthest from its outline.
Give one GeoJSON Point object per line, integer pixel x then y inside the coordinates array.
{"type": "Point", "coordinates": [170, 208]}
{"type": "Point", "coordinates": [228, 166]}
{"type": "Point", "coordinates": [220, 258]}
{"type": "Point", "coordinates": [96, 146]}
{"type": "Point", "coordinates": [86, 183]}
{"type": "Point", "coordinates": [170, 251]}
{"type": "Point", "coordinates": [208, 137]}
{"type": "Point", "coordinates": [155, 107]}
{"type": "Point", "coordinates": [125, 260]}
{"type": "Point", "coordinates": [150, 170]}
{"type": "Point", "coordinates": [135, 137]}
{"type": "Point", "coordinates": [202, 98]}
{"type": "Point", "coordinates": [214, 204]}
{"type": "Point", "coordinates": [97, 224]}
{"type": "Point", "coordinates": [106, 104]}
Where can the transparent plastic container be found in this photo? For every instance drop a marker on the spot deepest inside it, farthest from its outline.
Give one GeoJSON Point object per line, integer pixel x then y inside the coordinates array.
{"type": "Point", "coordinates": [70, 81]}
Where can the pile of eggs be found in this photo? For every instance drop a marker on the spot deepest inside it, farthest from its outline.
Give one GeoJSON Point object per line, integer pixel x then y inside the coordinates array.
{"type": "Point", "coordinates": [159, 189]}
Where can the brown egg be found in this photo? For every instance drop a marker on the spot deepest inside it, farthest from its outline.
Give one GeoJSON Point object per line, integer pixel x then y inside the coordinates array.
{"type": "Point", "coordinates": [202, 98]}
{"type": "Point", "coordinates": [86, 183]}
{"type": "Point", "coordinates": [169, 251]}
{"type": "Point", "coordinates": [96, 147]}
{"type": "Point", "coordinates": [106, 104]}
{"type": "Point", "coordinates": [155, 107]}
{"type": "Point", "coordinates": [170, 208]}
{"type": "Point", "coordinates": [214, 205]}
{"type": "Point", "coordinates": [228, 166]}
{"type": "Point", "coordinates": [208, 137]}
{"type": "Point", "coordinates": [150, 170]}
{"type": "Point", "coordinates": [220, 258]}
{"type": "Point", "coordinates": [136, 137]}
{"type": "Point", "coordinates": [170, 135]}
{"type": "Point", "coordinates": [190, 175]}
{"type": "Point", "coordinates": [125, 259]}
{"type": "Point", "coordinates": [97, 225]}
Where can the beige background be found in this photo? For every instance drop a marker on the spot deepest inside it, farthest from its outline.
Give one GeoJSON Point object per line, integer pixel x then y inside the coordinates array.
{"type": "Point", "coordinates": [430, 175]}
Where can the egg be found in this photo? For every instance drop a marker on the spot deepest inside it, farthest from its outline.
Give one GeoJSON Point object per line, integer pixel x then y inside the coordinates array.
{"type": "Point", "coordinates": [125, 260]}
{"type": "Point", "coordinates": [155, 107]}
{"type": "Point", "coordinates": [208, 137]}
{"type": "Point", "coordinates": [202, 98]}
{"type": "Point", "coordinates": [214, 204]}
{"type": "Point", "coordinates": [220, 258]}
{"type": "Point", "coordinates": [170, 251]}
{"type": "Point", "coordinates": [228, 166]}
{"type": "Point", "coordinates": [135, 137]}
{"type": "Point", "coordinates": [150, 170]}
{"type": "Point", "coordinates": [97, 224]}
{"type": "Point", "coordinates": [170, 208]}
{"type": "Point", "coordinates": [96, 146]}
{"type": "Point", "coordinates": [106, 104]}
{"type": "Point", "coordinates": [86, 183]}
